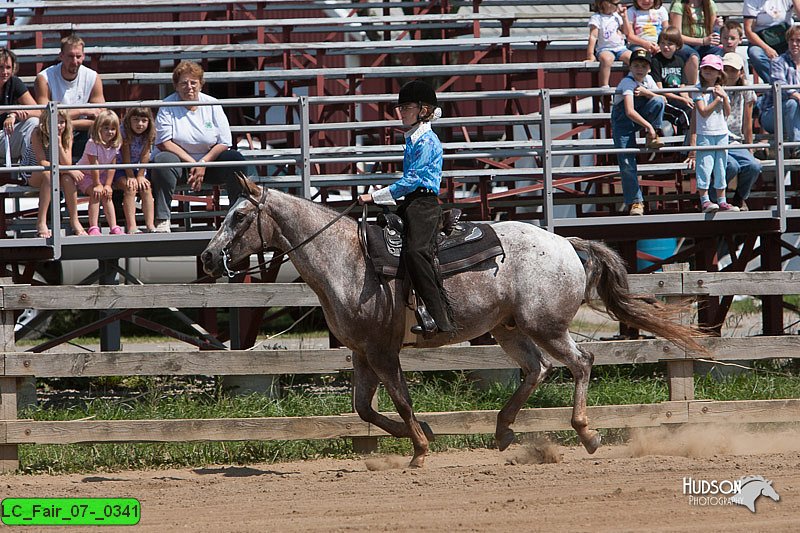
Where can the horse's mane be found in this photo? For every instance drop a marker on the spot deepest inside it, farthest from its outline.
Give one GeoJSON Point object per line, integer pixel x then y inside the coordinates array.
{"type": "Point", "coordinates": [318, 206]}
{"type": "Point", "coordinates": [748, 479]}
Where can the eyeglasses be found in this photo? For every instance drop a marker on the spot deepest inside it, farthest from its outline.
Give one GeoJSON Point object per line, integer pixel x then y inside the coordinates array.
{"type": "Point", "coordinates": [407, 107]}
{"type": "Point", "coordinates": [189, 83]}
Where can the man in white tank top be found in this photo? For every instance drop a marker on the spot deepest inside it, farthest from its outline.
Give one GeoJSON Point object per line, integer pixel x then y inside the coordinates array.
{"type": "Point", "coordinates": [70, 82]}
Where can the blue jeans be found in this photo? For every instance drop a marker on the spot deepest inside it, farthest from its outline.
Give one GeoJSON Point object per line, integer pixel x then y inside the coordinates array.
{"type": "Point", "coordinates": [791, 119]}
{"type": "Point", "coordinates": [760, 62]}
{"type": "Point", "coordinates": [701, 51]}
{"type": "Point", "coordinates": [623, 130]}
{"type": "Point", "coordinates": [741, 163]}
{"type": "Point", "coordinates": [711, 163]}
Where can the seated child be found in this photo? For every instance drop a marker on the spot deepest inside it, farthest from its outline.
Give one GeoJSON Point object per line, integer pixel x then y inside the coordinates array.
{"type": "Point", "coordinates": [646, 20]}
{"type": "Point", "coordinates": [635, 106]}
{"type": "Point", "coordinates": [668, 72]}
{"type": "Point", "coordinates": [101, 149]}
{"type": "Point", "coordinates": [38, 154]}
{"type": "Point", "coordinates": [138, 133]}
{"type": "Point", "coordinates": [606, 37]}
{"type": "Point", "coordinates": [731, 36]}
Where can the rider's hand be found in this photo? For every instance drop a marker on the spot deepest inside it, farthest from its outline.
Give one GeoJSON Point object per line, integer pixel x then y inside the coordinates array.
{"type": "Point", "coordinates": [364, 199]}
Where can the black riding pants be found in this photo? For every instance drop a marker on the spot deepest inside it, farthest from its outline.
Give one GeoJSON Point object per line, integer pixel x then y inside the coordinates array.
{"type": "Point", "coordinates": [422, 215]}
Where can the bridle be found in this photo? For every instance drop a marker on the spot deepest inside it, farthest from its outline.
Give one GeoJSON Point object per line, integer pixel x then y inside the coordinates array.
{"type": "Point", "coordinates": [283, 256]}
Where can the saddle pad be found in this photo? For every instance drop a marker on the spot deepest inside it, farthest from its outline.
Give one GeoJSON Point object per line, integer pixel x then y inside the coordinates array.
{"type": "Point", "coordinates": [453, 258]}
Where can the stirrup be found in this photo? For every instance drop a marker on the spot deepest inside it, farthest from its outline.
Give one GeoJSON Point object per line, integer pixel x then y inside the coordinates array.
{"type": "Point", "coordinates": [425, 323]}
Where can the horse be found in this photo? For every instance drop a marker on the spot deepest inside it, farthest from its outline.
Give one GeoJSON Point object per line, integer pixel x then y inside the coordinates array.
{"type": "Point", "coordinates": [525, 299]}
{"type": "Point", "coordinates": [752, 488]}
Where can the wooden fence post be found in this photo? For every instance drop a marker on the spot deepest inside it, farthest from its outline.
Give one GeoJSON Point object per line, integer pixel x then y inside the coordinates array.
{"type": "Point", "coordinates": [9, 453]}
{"type": "Point", "coordinates": [680, 374]}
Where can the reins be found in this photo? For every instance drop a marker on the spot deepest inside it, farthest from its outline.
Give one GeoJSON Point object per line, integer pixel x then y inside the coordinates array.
{"type": "Point", "coordinates": [284, 256]}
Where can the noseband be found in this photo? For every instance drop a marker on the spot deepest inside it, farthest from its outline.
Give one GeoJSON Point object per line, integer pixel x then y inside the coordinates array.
{"type": "Point", "coordinates": [225, 252]}
{"type": "Point", "coordinates": [283, 256]}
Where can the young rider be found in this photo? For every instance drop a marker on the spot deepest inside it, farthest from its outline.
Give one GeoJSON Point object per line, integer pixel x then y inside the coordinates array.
{"type": "Point", "coordinates": [419, 209]}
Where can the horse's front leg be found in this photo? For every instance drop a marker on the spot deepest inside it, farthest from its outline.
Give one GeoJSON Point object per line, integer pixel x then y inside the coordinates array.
{"type": "Point", "coordinates": [365, 383]}
{"type": "Point", "coordinates": [387, 369]}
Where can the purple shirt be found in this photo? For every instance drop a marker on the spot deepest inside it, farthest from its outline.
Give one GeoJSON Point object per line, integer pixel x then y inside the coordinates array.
{"type": "Point", "coordinates": [783, 71]}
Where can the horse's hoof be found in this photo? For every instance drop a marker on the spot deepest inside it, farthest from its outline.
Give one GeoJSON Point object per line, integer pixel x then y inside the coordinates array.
{"type": "Point", "coordinates": [593, 442]}
{"type": "Point", "coordinates": [504, 439]}
{"type": "Point", "coordinates": [417, 462]}
{"type": "Point", "coordinates": [426, 429]}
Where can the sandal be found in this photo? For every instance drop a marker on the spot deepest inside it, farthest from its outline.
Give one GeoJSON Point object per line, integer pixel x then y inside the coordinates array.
{"type": "Point", "coordinates": [94, 231]}
{"type": "Point", "coordinates": [116, 230]}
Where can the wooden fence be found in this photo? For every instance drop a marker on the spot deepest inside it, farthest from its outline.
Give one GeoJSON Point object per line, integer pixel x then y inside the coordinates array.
{"type": "Point", "coordinates": [682, 407]}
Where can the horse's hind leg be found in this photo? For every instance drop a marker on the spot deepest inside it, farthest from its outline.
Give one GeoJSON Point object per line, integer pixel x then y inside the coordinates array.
{"type": "Point", "coordinates": [579, 362]}
{"type": "Point", "coordinates": [526, 354]}
{"type": "Point", "coordinates": [366, 375]}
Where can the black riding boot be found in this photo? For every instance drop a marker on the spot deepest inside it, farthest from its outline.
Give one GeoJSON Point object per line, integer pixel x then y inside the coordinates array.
{"type": "Point", "coordinates": [422, 215]}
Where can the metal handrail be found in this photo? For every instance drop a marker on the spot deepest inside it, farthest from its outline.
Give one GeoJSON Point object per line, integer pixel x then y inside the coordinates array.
{"type": "Point", "coordinates": [305, 155]}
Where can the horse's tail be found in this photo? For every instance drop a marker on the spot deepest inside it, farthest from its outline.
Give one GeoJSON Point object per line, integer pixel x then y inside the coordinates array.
{"type": "Point", "coordinates": [606, 274]}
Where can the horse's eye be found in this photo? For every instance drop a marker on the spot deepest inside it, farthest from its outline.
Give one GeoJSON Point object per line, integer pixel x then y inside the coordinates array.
{"type": "Point", "coordinates": [238, 217]}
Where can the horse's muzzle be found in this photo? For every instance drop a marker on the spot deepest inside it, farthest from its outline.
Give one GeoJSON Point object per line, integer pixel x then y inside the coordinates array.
{"type": "Point", "coordinates": [212, 263]}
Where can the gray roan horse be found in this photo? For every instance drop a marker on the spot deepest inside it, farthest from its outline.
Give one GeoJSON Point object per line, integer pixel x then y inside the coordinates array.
{"type": "Point", "coordinates": [526, 300]}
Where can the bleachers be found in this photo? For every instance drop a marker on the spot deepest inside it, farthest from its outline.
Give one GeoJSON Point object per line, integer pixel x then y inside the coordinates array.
{"type": "Point", "coordinates": [493, 52]}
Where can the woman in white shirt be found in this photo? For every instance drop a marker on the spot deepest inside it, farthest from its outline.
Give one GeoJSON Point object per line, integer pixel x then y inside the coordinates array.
{"type": "Point", "coordinates": [765, 25]}
{"type": "Point", "coordinates": [191, 134]}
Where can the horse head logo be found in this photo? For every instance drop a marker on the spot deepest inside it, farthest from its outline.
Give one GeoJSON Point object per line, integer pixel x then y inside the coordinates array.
{"type": "Point", "coordinates": [752, 488]}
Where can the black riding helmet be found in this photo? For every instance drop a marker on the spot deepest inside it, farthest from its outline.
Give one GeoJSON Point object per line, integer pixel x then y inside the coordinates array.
{"type": "Point", "coordinates": [417, 92]}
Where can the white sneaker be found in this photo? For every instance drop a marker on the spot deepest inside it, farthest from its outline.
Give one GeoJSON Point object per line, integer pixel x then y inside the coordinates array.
{"type": "Point", "coordinates": [162, 226]}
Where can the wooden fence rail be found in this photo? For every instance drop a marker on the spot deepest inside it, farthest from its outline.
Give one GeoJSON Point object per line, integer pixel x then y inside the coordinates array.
{"type": "Point", "coordinates": [682, 408]}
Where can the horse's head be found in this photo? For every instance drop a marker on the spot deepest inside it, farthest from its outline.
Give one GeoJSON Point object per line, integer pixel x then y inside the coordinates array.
{"type": "Point", "coordinates": [768, 491]}
{"type": "Point", "coordinates": [242, 233]}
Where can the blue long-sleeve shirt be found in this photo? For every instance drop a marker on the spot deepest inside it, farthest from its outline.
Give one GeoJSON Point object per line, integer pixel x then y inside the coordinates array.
{"type": "Point", "coordinates": [784, 71]}
{"type": "Point", "coordinates": [422, 166]}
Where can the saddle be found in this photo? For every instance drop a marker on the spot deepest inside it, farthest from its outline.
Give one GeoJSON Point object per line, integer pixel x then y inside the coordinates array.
{"type": "Point", "coordinates": [460, 244]}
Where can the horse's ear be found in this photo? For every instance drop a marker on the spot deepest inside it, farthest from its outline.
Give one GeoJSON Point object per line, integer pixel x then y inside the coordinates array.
{"type": "Point", "coordinates": [248, 185]}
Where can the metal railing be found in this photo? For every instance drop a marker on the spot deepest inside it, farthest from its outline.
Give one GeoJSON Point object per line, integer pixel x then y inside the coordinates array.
{"type": "Point", "coordinates": [305, 156]}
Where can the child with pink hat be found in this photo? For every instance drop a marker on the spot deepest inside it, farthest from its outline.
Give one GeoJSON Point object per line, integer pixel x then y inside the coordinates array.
{"type": "Point", "coordinates": [712, 106]}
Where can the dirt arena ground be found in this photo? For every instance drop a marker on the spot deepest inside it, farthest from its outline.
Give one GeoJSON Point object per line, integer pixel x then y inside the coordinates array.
{"type": "Point", "coordinates": [530, 487]}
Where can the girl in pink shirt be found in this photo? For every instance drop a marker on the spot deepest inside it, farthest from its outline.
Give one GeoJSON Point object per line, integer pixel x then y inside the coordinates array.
{"type": "Point", "coordinates": [102, 148]}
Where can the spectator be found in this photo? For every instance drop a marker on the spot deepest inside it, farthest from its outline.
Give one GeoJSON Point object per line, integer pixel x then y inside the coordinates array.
{"type": "Point", "coordinates": [784, 71]}
{"type": "Point", "coordinates": [740, 161]}
{"type": "Point", "coordinates": [646, 20]}
{"type": "Point", "coordinates": [17, 125]}
{"type": "Point", "coordinates": [711, 111]}
{"type": "Point", "coordinates": [70, 82]}
{"type": "Point", "coordinates": [38, 153]}
{"type": "Point", "coordinates": [607, 28]}
{"type": "Point", "coordinates": [635, 106]}
{"type": "Point", "coordinates": [765, 25]}
{"type": "Point", "coordinates": [102, 148]}
{"type": "Point", "coordinates": [699, 25]}
{"type": "Point", "coordinates": [668, 72]}
{"type": "Point", "coordinates": [138, 135]}
{"type": "Point", "coordinates": [191, 134]}
{"type": "Point", "coordinates": [731, 38]}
